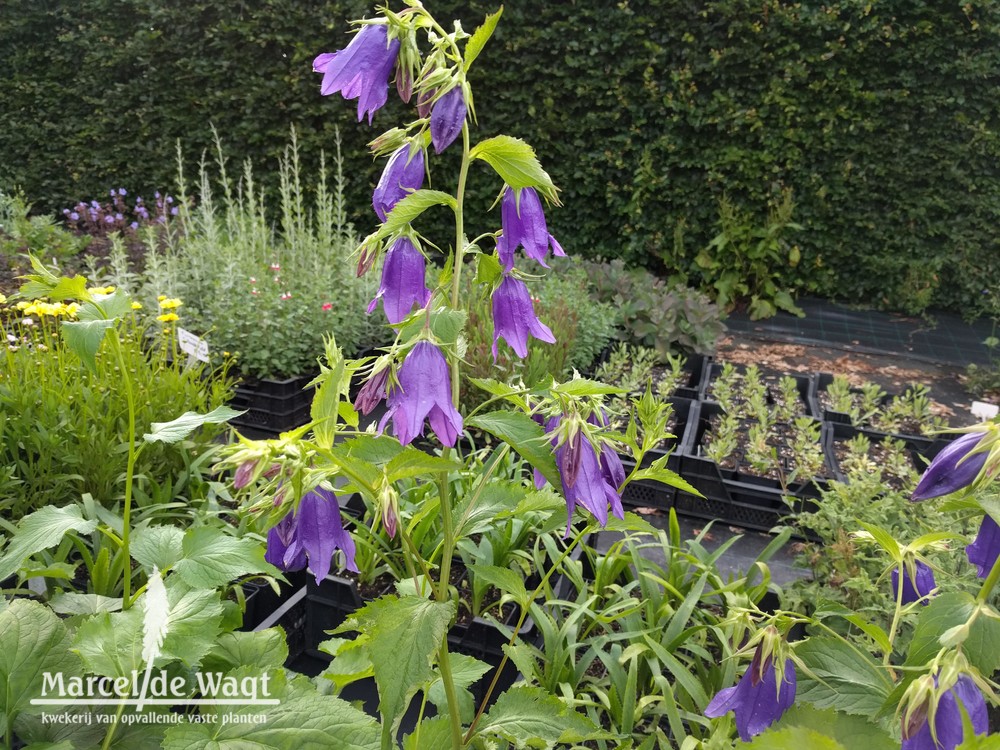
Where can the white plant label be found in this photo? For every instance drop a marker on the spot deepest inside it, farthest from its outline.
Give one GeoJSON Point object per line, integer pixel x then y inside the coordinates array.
{"type": "Point", "coordinates": [982, 410]}
{"type": "Point", "coordinates": [192, 345]}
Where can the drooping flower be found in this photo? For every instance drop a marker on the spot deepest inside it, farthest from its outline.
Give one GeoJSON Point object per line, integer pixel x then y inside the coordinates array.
{"type": "Point", "coordinates": [915, 588]}
{"type": "Point", "coordinates": [756, 699]}
{"type": "Point", "coordinates": [310, 536]}
{"type": "Point", "coordinates": [361, 70]}
{"type": "Point", "coordinates": [447, 118]}
{"type": "Point", "coordinates": [947, 719]}
{"type": "Point", "coordinates": [524, 225]}
{"type": "Point", "coordinates": [984, 551]}
{"type": "Point", "coordinates": [514, 317]}
{"type": "Point", "coordinates": [952, 469]}
{"type": "Point", "coordinates": [402, 175]}
{"type": "Point", "coordinates": [372, 392]}
{"type": "Point", "coordinates": [403, 273]}
{"type": "Point", "coordinates": [424, 393]}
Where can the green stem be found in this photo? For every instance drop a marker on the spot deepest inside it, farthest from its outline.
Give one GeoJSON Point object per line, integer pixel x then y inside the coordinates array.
{"type": "Point", "coordinates": [133, 454]}
{"type": "Point", "coordinates": [895, 615]}
{"type": "Point", "coordinates": [114, 726]}
{"type": "Point", "coordinates": [456, 280]}
{"type": "Point", "coordinates": [989, 583]}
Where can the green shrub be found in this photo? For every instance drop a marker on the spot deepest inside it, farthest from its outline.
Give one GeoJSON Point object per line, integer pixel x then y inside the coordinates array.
{"type": "Point", "coordinates": [39, 235]}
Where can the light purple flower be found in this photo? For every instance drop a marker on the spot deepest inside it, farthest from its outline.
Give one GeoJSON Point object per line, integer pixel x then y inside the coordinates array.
{"type": "Point", "coordinates": [756, 699]}
{"type": "Point", "coordinates": [948, 719]}
{"type": "Point", "coordinates": [403, 284]}
{"type": "Point", "coordinates": [524, 226]}
{"type": "Point", "coordinates": [372, 392]}
{"type": "Point", "coordinates": [401, 176]}
{"type": "Point", "coordinates": [361, 70]}
{"type": "Point", "coordinates": [74, 216]}
{"type": "Point", "coordinates": [917, 588]}
{"type": "Point", "coordinates": [514, 317]}
{"type": "Point", "coordinates": [984, 551]}
{"type": "Point", "coordinates": [447, 118]}
{"type": "Point", "coordinates": [311, 536]}
{"type": "Point", "coordinates": [424, 393]}
{"type": "Point", "coordinates": [952, 469]}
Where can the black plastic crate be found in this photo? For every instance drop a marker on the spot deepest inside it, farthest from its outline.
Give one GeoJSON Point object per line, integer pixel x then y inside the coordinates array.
{"type": "Point", "coordinates": [646, 493]}
{"type": "Point", "coordinates": [805, 385]}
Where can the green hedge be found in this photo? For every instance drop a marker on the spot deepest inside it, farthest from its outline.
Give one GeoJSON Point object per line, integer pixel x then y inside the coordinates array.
{"type": "Point", "coordinates": [882, 118]}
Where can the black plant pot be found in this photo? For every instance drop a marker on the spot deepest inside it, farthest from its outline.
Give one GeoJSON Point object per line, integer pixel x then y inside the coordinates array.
{"type": "Point", "coordinates": [272, 406]}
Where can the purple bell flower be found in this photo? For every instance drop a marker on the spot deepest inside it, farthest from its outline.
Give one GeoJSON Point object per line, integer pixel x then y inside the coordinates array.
{"type": "Point", "coordinates": [948, 472]}
{"type": "Point", "coordinates": [372, 392]}
{"type": "Point", "coordinates": [514, 317]}
{"type": "Point", "coordinates": [424, 393]}
{"type": "Point", "coordinates": [403, 284]}
{"type": "Point", "coordinates": [401, 176]}
{"type": "Point", "coordinates": [447, 118]}
{"type": "Point", "coordinates": [915, 589]}
{"type": "Point", "coordinates": [524, 226]}
{"type": "Point", "coordinates": [756, 699]}
{"type": "Point", "coordinates": [948, 719]}
{"type": "Point", "coordinates": [984, 551]}
{"type": "Point", "coordinates": [361, 70]}
{"type": "Point", "coordinates": [310, 536]}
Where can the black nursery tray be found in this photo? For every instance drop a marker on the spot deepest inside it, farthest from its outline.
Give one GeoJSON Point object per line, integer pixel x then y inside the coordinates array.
{"type": "Point", "coordinates": [272, 406]}
{"type": "Point", "coordinates": [805, 385]}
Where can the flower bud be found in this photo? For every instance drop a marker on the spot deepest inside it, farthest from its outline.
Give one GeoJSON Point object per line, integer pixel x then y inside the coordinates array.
{"type": "Point", "coordinates": [952, 469]}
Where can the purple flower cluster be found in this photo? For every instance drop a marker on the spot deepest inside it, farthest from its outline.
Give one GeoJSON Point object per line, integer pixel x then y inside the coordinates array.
{"type": "Point", "coordinates": [99, 219]}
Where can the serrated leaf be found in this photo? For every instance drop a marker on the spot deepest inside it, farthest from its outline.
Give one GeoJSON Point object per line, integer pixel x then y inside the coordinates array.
{"type": "Point", "coordinates": [585, 387]}
{"type": "Point", "coordinates": [665, 476]}
{"type": "Point", "coordinates": [445, 324]}
{"type": "Point", "coordinates": [71, 603]}
{"type": "Point", "coordinates": [40, 530]}
{"type": "Point", "coordinates": [495, 501]}
{"type": "Point", "coordinates": [479, 38]}
{"type": "Point", "coordinates": [850, 731]}
{"type": "Point", "coordinates": [504, 579]}
{"type": "Point", "coordinates": [56, 289]}
{"type": "Point", "coordinates": [407, 210]}
{"type": "Point", "coordinates": [110, 644]}
{"type": "Point", "coordinates": [795, 738]}
{"type": "Point", "coordinates": [105, 306]}
{"type": "Point", "coordinates": [525, 436]}
{"type": "Point", "coordinates": [193, 624]}
{"type": "Point", "coordinates": [884, 540]}
{"type": "Point", "coordinates": [331, 384]}
{"type": "Point", "coordinates": [946, 611]}
{"type": "Point", "coordinates": [854, 682]}
{"type": "Point", "coordinates": [524, 715]}
{"type": "Point", "coordinates": [84, 338]}
{"type": "Point", "coordinates": [186, 423]}
{"type": "Point", "coordinates": [516, 164]}
{"type": "Point", "coordinates": [488, 270]}
{"type": "Point", "coordinates": [32, 641]}
{"type": "Point", "coordinates": [213, 558]}
{"type": "Point", "coordinates": [434, 733]}
{"type": "Point", "coordinates": [414, 463]}
{"type": "Point", "coordinates": [263, 650]}
{"type": "Point", "coordinates": [157, 546]}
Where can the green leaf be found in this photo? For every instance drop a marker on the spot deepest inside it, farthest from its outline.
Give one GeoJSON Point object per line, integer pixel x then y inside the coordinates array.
{"type": "Point", "coordinates": [106, 306]}
{"type": "Point", "coordinates": [585, 387]}
{"type": "Point", "coordinates": [884, 539]}
{"type": "Point", "coordinates": [186, 423]}
{"type": "Point", "coordinates": [665, 476]}
{"type": "Point", "coordinates": [45, 284]}
{"type": "Point", "coordinates": [504, 579]}
{"type": "Point", "coordinates": [414, 463]}
{"type": "Point", "coordinates": [193, 624]}
{"type": "Point", "coordinates": [516, 163]}
{"type": "Point", "coordinates": [70, 603]}
{"type": "Point", "coordinates": [110, 644]}
{"type": "Point", "coordinates": [465, 670]}
{"type": "Point", "coordinates": [850, 731]}
{"type": "Point", "coordinates": [302, 720]}
{"type": "Point", "coordinates": [213, 558]}
{"type": "Point", "coordinates": [40, 530]}
{"type": "Point", "coordinates": [795, 738]}
{"type": "Point", "coordinates": [479, 38]}
{"type": "Point", "coordinates": [434, 733]}
{"type": "Point", "coordinates": [497, 500]}
{"type": "Point", "coordinates": [33, 641]}
{"type": "Point", "coordinates": [159, 546]}
{"type": "Point", "coordinates": [405, 635]}
{"type": "Point", "coordinates": [488, 270]}
{"type": "Point", "coordinates": [525, 436]}
{"type": "Point", "coordinates": [84, 338]}
{"type": "Point", "coordinates": [981, 646]}
{"type": "Point", "coordinates": [331, 384]}
{"type": "Point", "coordinates": [981, 742]}
{"type": "Point", "coordinates": [408, 209]}
{"type": "Point", "coordinates": [529, 715]}
{"type": "Point", "coordinates": [446, 325]}
{"type": "Point", "coordinates": [263, 650]}
{"type": "Point", "coordinates": [854, 682]}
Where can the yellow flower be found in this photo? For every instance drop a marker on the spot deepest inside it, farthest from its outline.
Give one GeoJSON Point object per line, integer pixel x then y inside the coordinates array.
{"type": "Point", "coordinates": [71, 309]}
{"type": "Point", "coordinates": [167, 317]}
{"type": "Point", "coordinates": [170, 304]}
{"type": "Point", "coordinates": [2, 299]}
{"type": "Point", "coordinates": [101, 290]}
{"type": "Point", "coordinates": [136, 305]}
{"type": "Point", "coordinates": [22, 305]}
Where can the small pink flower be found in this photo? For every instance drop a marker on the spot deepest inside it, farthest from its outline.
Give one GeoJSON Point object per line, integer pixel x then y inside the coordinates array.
{"type": "Point", "coordinates": [254, 292]}
{"type": "Point", "coordinates": [275, 267]}
{"type": "Point", "coordinates": [253, 280]}
{"type": "Point", "coordinates": [327, 306]}
{"type": "Point", "coordinates": [286, 295]}
{"type": "Point", "coordinates": [277, 279]}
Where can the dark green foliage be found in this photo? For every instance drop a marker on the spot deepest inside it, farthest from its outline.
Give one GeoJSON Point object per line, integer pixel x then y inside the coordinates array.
{"type": "Point", "coordinates": [881, 118]}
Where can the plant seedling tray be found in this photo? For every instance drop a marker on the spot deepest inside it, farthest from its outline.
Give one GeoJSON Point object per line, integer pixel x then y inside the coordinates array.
{"type": "Point", "coordinates": [805, 385]}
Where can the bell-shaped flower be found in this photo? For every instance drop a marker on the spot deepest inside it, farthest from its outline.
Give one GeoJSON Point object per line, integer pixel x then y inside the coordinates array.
{"type": "Point", "coordinates": [756, 699]}
{"type": "Point", "coordinates": [946, 719]}
{"type": "Point", "coordinates": [447, 118]}
{"type": "Point", "coordinates": [514, 317]}
{"type": "Point", "coordinates": [917, 585]}
{"type": "Point", "coordinates": [952, 469]}
{"type": "Point", "coordinates": [361, 70]}
{"type": "Point", "coordinates": [310, 536]}
{"type": "Point", "coordinates": [424, 393]}
{"type": "Point", "coordinates": [984, 551]}
{"type": "Point", "coordinates": [403, 174]}
{"type": "Point", "coordinates": [523, 221]}
{"type": "Point", "coordinates": [403, 272]}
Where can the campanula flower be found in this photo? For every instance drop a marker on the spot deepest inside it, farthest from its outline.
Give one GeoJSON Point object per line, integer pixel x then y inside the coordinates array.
{"type": "Point", "coordinates": [403, 284]}
{"type": "Point", "coordinates": [372, 393]}
{"type": "Point", "coordinates": [361, 70]}
{"type": "Point", "coordinates": [424, 393]}
{"type": "Point", "coordinates": [523, 221]}
{"type": "Point", "coordinates": [756, 699]}
{"type": "Point", "coordinates": [952, 469]}
{"type": "Point", "coordinates": [917, 585]}
{"type": "Point", "coordinates": [947, 719]}
{"type": "Point", "coordinates": [402, 175]}
{"type": "Point", "coordinates": [310, 536]}
{"type": "Point", "coordinates": [514, 317]}
{"type": "Point", "coordinates": [447, 118]}
{"type": "Point", "coordinates": [984, 551]}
